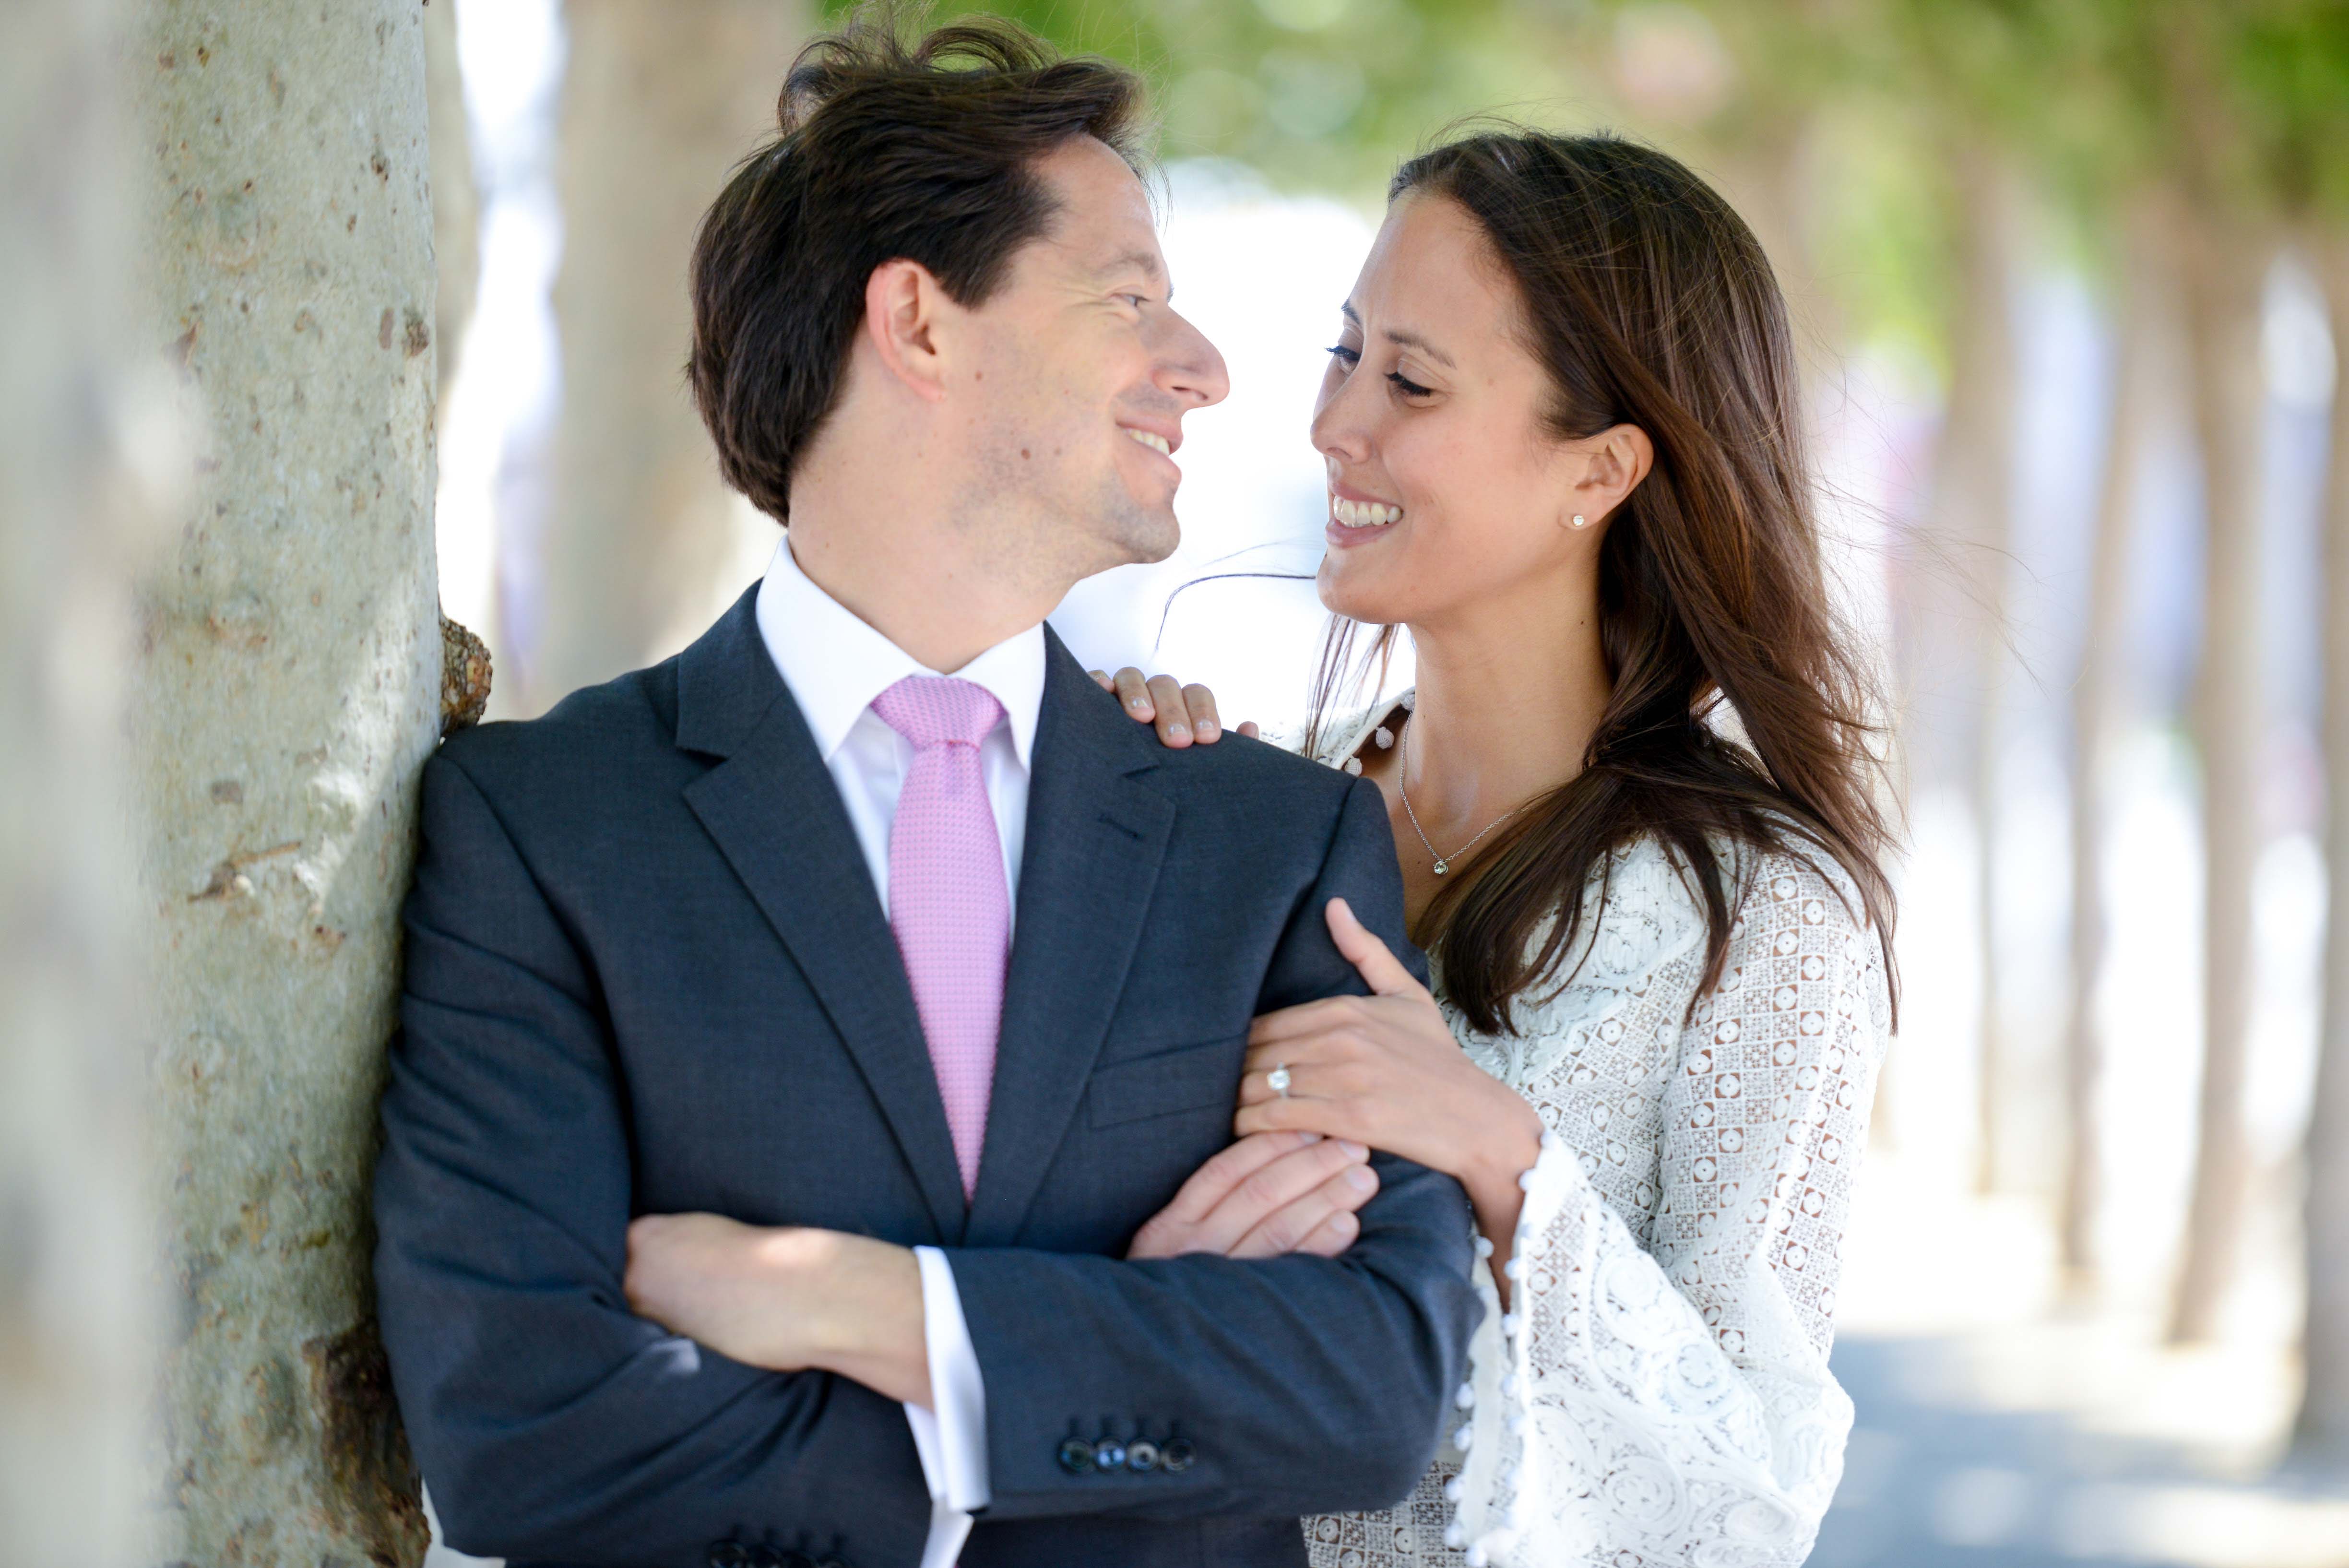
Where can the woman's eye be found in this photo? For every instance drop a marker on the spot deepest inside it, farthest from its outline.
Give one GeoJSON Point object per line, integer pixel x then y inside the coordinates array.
{"type": "Point", "coordinates": [1347, 356]}
{"type": "Point", "coordinates": [1408, 387]}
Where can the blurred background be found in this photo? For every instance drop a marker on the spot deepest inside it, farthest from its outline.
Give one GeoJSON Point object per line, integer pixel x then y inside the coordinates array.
{"type": "Point", "coordinates": [2062, 272]}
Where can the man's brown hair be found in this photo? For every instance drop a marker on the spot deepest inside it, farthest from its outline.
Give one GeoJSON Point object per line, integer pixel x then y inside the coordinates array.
{"type": "Point", "coordinates": [886, 149]}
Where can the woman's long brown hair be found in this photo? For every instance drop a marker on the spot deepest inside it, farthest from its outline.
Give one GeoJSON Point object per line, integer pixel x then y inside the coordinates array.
{"type": "Point", "coordinates": [1649, 303]}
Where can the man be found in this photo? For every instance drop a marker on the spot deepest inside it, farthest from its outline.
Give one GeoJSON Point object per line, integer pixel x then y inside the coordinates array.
{"type": "Point", "coordinates": [755, 1189]}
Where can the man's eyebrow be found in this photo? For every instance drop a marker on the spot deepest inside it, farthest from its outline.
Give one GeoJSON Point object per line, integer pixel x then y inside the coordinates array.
{"type": "Point", "coordinates": [1144, 261]}
{"type": "Point", "coordinates": [1408, 340]}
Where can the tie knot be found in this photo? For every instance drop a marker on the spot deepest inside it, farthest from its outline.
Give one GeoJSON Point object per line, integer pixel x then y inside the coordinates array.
{"type": "Point", "coordinates": [938, 711]}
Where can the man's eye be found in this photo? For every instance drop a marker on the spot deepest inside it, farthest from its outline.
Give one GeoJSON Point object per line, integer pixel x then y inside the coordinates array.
{"type": "Point", "coordinates": [1408, 387]}
{"type": "Point", "coordinates": [1350, 357]}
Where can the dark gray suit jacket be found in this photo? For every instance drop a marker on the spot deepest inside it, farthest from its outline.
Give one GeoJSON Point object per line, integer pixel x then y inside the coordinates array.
{"type": "Point", "coordinates": [647, 972]}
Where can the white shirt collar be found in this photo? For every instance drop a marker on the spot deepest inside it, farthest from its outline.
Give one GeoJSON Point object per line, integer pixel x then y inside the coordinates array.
{"type": "Point", "coordinates": [836, 664]}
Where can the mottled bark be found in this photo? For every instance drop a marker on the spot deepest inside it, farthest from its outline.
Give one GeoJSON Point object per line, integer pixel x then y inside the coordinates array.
{"type": "Point", "coordinates": [2140, 288]}
{"type": "Point", "coordinates": [456, 207]}
{"type": "Point", "coordinates": [2324, 1407]}
{"type": "Point", "coordinates": [78, 432]}
{"type": "Point", "coordinates": [288, 693]}
{"type": "Point", "coordinates": [661, 100]}
{"type": "Point", "coordinates": [2225, 263]}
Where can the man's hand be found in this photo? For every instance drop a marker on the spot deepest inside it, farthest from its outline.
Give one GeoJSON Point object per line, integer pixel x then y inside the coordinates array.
{"type": "Point", "coordinates": [1266, 1195]}
{"type": "Point", "coordinates": [789, 1298]}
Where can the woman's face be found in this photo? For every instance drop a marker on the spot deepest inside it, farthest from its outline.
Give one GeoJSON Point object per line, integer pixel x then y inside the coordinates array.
{"type": "Point", "coordinates": [1445, 489]}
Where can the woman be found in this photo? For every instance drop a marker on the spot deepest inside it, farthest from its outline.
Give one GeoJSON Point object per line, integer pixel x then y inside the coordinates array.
{"type": "Point", "coordinates": [1563, 451]}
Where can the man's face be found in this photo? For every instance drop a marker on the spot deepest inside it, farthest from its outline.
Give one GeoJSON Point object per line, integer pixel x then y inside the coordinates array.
{"type": "Point", "coordinates": [1081, 375]}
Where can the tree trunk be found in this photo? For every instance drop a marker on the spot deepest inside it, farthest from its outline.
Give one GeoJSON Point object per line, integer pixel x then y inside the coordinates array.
{"type": "Point", "coordinates": [661, 100]}
{"type": "Point", "coordinates": [286, 699]}
{"type": "Point", "coordinates": [2136, 313]}
{"type": "Point", "coordinates": [2324, 1407]}
{"type": "Point", "coordinates": [1958, 645]}
{"type": "Point", "coordinates": [2225, 264]}
{"type": "Point", "coordinates": [456, 209]}
{"type": "Point", "coordinates": [78, 1310]}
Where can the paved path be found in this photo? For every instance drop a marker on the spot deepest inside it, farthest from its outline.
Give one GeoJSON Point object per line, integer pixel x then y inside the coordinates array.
{"type": "Point", "coordinates": [1936, 1482]}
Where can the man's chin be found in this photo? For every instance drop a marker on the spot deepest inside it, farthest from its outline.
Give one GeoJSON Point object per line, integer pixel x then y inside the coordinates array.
{"type": "Point", "coordinates": [1138, 534]}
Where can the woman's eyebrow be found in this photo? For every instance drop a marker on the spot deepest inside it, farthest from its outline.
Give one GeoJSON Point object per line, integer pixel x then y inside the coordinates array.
{"type": "Point", "coordinates": [1407, 340]}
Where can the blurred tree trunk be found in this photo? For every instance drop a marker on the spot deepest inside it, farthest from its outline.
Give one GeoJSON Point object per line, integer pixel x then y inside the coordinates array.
{"type": "Point", "coordinates": [456, 207]}
{"type": "Point", "coordinates": [1958, 639]}
{"type": "Point", "coordinates": [661, 100]}
{"type": "Point", "coordinates": [1766, 172]}
{"type": "Point", "coordinates": [287, 695]}
{"type": "Point", "coordinates": [2323, 1424]}
{"type": "Point", "coordinates": [2139, 287]}
{"type": "Point", "coordinates": [78, 1323]}
{"type": "Point", "coordinates": [2225, 262]}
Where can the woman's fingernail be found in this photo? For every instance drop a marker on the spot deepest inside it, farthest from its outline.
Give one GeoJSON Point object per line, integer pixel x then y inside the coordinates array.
{"type": "Point", "coordinates": [1206, 728]}
{"type": "Point", "coordinates": [1305, 1137]}
{"type": "Point", "coordinates": [1353, 1150]}
{"type": "Point", "coordinates": [1359, 1178]}
{"type": "Point", "coordinates": [1178, 732]}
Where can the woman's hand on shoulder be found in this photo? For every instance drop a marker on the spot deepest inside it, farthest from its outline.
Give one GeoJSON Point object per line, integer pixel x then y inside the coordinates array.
{"type": "Point", "coordinates": [1181, 713]}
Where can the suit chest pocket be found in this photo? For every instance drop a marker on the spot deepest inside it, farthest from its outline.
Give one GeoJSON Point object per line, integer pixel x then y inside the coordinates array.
{"type": "Point", "coordinates": [1165, 1083]}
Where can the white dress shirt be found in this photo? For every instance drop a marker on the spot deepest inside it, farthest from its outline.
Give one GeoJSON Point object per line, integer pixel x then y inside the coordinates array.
{"type": "Point", "coordinates": [836, 665]}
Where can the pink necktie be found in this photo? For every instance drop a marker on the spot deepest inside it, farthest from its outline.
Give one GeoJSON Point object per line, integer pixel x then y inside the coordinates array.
{"type": "Point", "coordinates": [948, 905]}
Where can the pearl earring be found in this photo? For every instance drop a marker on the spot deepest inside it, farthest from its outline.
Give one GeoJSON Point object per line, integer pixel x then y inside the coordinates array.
{"type": "Point", "coordinates": [1580, 521]}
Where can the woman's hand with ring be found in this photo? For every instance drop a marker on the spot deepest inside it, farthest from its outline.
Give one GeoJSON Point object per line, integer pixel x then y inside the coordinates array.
{"type": "Point", "coordinates": [1384, 1069]}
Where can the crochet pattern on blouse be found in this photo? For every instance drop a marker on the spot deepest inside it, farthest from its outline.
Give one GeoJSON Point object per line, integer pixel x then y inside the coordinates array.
{"type": "Point", "coordinates": [1660, 1392]}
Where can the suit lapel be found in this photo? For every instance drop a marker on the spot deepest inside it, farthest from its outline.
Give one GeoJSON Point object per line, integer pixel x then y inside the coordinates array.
{"type": "Point", "coordinates": [776, 815]}
{"type": "Point", "coordinates": [1096, 837]}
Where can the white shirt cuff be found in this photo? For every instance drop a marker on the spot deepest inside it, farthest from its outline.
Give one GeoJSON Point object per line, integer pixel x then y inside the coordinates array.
{"type": "Point", "coordinates": [952, 1438]}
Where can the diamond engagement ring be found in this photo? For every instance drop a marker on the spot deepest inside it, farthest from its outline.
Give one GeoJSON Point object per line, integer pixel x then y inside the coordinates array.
{"type": "Point", "coordinates": [1277, 1081]}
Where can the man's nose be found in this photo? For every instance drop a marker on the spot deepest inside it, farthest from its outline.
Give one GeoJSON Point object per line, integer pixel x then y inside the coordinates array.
{"type": "Point", "coordinates": [1191, 368]}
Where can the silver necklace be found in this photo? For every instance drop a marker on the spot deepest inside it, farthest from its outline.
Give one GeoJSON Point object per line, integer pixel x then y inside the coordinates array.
{"type": "Point", "coordinates": [1443, 862]}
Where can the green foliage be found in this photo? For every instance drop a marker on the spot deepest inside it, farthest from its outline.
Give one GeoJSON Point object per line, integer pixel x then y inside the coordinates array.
{"type": "Point", "coordinates": [1324, 94]}
{"type": "Point", "coordinates": [2238, 102]}
{"type": "Point", "coordinates": [2291, 71]}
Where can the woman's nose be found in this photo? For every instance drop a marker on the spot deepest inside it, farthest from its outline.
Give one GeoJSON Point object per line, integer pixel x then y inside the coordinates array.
{"type": "Point", "coordinates": [1339, 429]}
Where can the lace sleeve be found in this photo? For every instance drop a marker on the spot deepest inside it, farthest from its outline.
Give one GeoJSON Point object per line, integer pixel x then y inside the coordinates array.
{"type": "Point", "coordinates": [1671, 1403]}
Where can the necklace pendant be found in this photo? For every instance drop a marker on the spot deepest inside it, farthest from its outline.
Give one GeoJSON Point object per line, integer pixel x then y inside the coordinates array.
{"type": "Point", "coordinates": [1440, 866]}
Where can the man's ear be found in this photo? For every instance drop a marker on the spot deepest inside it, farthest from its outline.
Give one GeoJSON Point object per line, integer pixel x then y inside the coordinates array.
{"type": "Point", "coordinates": [903, 303]}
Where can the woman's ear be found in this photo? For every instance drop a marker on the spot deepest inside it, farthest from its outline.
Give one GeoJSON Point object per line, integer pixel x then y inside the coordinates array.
{"type": "Point", "coordinates": [1615, 461]}
{"type": "Point", "coordinates": [901, 306]}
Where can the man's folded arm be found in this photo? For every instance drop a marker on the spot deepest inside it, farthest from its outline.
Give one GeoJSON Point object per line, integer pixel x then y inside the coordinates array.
{"type": "Point", "coordinates": [549, 1420]}
{"type": "Point", "coordinates": [1297, 1384]}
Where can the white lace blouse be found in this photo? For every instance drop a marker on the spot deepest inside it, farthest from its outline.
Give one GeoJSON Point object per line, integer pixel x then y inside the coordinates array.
{"type": "Point", "coordinates": [1659, 1393]}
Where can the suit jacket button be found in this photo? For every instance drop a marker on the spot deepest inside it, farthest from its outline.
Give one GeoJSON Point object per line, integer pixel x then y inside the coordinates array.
{"type": "Point", "coordinates": [1076, 1456]}
{"type": "Point", "coordinates": [1110, 1454]}
{"type": "Point", "coordinates": [1141, 1456]}
{"type": "Point", "coordinates": [1176, 1455]}
{"type": "Point", "coordinates": [728, 1554]}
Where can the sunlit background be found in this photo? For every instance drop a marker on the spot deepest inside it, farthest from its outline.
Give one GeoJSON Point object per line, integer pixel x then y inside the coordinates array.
{"type": "Point", "coordinates": [1987, 217]}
